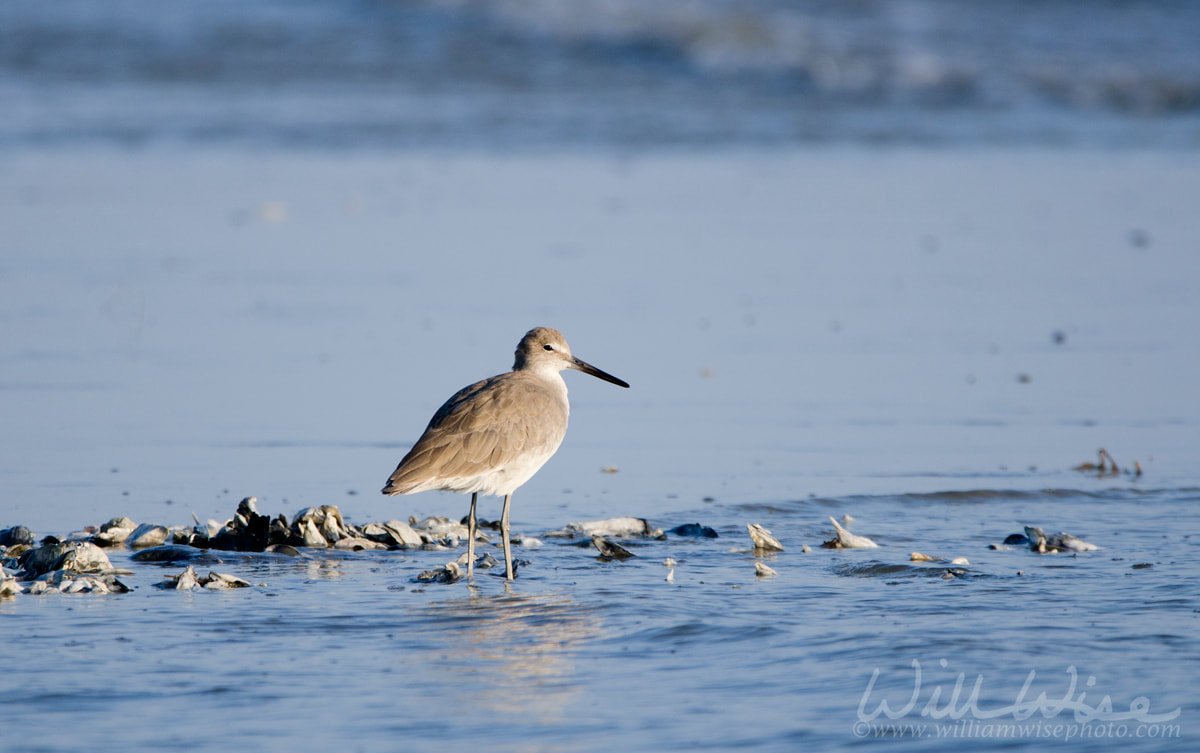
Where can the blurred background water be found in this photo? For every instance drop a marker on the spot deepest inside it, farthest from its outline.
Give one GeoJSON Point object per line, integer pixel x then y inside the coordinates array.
{"type": "Point", "coordinates": [612, 73]}
{"type": "Point", "coordinates": [908, 261]}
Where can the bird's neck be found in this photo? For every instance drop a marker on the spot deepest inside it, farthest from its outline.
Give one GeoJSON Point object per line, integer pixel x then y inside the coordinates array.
{"type": "Point", "coordinates": [552, 378]}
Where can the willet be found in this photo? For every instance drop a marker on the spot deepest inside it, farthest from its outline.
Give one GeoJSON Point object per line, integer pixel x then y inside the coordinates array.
{"type": "Point", "coordinates": [491, 437]}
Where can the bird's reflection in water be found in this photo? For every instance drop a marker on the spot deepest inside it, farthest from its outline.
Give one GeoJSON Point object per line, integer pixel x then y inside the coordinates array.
{"type": "Point", "coordinates": [514, 652]}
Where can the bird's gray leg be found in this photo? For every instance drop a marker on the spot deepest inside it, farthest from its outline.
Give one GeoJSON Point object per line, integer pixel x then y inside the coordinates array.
{"type": "Point", "coordinates": [472, 526]}
{"type": "Point", "coordinates": [508, 563]}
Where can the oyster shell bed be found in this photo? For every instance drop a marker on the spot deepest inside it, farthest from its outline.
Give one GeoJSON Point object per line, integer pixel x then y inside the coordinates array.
{"type": "Point", "coordinates": [79, 564]}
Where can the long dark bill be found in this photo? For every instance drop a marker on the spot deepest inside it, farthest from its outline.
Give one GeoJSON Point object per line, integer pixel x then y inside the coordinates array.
{"type": "Point", "coordinates": [587, 368]}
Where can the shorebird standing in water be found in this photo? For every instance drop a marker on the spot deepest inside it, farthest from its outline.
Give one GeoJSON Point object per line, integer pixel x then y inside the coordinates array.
{"type": "Point", "coordinates": [491, 437]}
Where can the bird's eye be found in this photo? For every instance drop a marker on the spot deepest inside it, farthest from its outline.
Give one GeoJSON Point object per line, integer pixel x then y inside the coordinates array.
{"type": "Point", "coordinates": [548, 346]}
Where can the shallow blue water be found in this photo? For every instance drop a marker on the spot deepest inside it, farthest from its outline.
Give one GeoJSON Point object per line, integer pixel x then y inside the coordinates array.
{"type": "Point", "coordinates": [345, 650]}
{"type": "Point", "coordinates": [808, 334]}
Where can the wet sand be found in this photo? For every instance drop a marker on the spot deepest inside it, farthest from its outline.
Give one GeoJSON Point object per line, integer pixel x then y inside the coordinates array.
{"type": "Point", "coordinates": [193, 328]}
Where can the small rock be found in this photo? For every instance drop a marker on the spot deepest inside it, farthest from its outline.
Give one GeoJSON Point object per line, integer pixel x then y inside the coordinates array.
{"type": "Point", "coordinates": [16, 535]}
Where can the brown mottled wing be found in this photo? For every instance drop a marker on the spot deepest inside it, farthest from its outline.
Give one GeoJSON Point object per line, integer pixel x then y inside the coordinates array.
{"type": "Point", "coordinates": [480, 429]}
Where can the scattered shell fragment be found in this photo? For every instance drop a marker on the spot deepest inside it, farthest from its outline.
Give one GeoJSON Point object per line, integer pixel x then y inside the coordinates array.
{"type": "Point", "coordinates": [610, 527]}
{"type": "Point", "coordinates": [763, 571]}
{"type": "Point", "coordinates": [147, 535]}
{"type": "Point", "coordinates": [72, 556]}
{"type": "Point", "coordinates": [9, 587]}
{"type": "Point", "coordinates": [185, 581]}
{"type": "Point", "coordinates": [216, 581]}
{"type": "Point", "coordinates": [83, 557]}
{"type": "Point", "coordinates": [325, 520]}
{"type": "Point", "coordinates": [449, 573]}
{"type": "Point", "coordinates": [441, 531]}
{"type": "Point", "coordinates": [189, 581]}
{"type": "Point", "coordinates": [355, 544]}
{"type": "Point", "coordinates": [610, 550]}
{"type": "Point", "coordinates": [1042, 543]}
{"type": "Point", "coordinates": [763, 539]}
{"type": "Point", "coordinates": [310, 536]}
{"type": "Point", "coordinates": [847, 540]}
{"type": "Point", "coordinates": [393, 533]}
{"type": "Point", "coordinates": [483, 561]}
{"type": "Point", "coordinates": [115, 532]}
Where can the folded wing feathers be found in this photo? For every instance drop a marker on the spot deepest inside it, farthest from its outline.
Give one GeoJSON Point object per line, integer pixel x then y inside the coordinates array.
{"type": "Point", "coordinates": [477, 430]}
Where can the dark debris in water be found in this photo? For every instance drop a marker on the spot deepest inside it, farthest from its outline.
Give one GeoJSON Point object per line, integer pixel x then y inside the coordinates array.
{"type": "Point", "coordinates": [876, 569]}
{"type": "Point", "coordinates": [1107, 466]}
{"type": "Point", "coordinates": [693, 530]}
